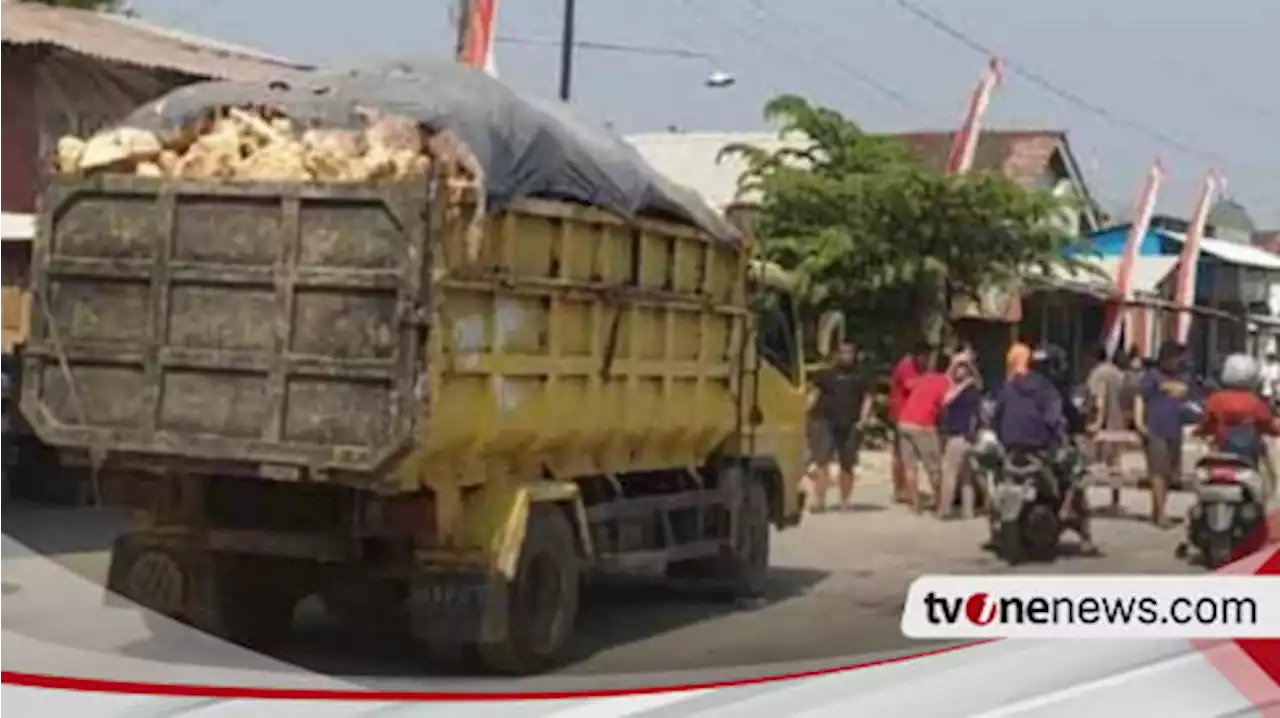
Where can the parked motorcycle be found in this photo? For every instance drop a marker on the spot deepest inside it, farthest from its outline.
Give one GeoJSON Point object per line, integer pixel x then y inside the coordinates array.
{"type": "Point", "coordinates": [1028, 492]}
{"type": "Point", "coordinates": [1229, 509]}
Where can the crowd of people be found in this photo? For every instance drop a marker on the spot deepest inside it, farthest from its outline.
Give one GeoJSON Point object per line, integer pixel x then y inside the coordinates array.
{"type": "Point", "coordinates": [936, 404]}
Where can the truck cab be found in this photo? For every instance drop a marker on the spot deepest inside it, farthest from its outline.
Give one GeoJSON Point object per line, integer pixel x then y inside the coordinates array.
{"type": "Point", "coordinates": [781, 380]}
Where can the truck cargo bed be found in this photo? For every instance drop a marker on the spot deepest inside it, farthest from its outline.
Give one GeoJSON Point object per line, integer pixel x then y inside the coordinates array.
{"type": "Point", "coordinates": [269, 324]}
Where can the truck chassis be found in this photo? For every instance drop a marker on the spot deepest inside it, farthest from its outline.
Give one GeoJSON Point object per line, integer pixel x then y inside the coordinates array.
{"type": "Point", "coordinates": [234, 556]}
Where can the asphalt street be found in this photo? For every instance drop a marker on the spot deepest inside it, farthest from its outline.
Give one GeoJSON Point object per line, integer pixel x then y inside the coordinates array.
{"type": "Point", "coordinates": [836, 589]}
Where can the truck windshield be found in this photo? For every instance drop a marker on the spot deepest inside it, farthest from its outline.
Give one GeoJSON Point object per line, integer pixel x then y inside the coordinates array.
{"type": "Point", "coordinates": [777, 332]}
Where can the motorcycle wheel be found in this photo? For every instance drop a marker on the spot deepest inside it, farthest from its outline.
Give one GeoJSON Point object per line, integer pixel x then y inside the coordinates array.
{"type": "Point", "coordinates": [1008, 543]}
{"type": "Point", "coordinates": [1041, 532]}
{"type": "Point", "coordinates": [1217, 552]}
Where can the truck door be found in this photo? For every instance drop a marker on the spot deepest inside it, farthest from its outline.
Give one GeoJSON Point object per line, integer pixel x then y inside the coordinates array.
{"type": "Point", "coordinates": [780, 412]}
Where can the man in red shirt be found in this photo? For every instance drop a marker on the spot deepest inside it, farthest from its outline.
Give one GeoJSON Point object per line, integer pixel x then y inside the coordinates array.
{"type": "Point", "coordinates": [1228, 408]}
{"type": "Point", "coordinates": [919, 445]}
{"type": "Point", "coordinates": [1237, 406]}
{"type": "Point", "coordinates": [903, 377]}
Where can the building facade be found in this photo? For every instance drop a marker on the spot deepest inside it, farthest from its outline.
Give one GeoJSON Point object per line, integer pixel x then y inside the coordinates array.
{"type": "Point", "coordinates": [69, 71]}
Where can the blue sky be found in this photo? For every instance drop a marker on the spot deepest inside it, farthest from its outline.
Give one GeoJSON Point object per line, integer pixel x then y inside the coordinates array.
{"type": "Point", "coordinates": [1201, 73]}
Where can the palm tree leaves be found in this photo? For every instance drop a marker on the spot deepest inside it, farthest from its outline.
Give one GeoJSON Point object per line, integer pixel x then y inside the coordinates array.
{"type": "Point", "coordinates": [853, 214]}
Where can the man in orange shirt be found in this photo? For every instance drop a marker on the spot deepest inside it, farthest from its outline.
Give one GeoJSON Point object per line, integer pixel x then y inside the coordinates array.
{"type": "Point", "coordinates": [919, 445]}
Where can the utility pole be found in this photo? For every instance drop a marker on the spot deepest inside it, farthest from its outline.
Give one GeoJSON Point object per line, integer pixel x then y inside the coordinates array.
{"type": "Point", "coordinates": [566, 50]}
{"type": "Point", "coordinates": [463, 10]}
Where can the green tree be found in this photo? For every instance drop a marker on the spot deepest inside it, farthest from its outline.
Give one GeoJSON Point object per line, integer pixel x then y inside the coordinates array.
{"type": "Point", "coordinates": [871, 232]}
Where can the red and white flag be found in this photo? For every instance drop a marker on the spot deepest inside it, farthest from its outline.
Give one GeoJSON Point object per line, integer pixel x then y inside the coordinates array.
{"type": "Point", "coordinates": [965, 142]}
{"type": "Point", "coordinates": [1140, 223]}
{"type": "Point", "coordinates": [1185, 292]}
{"type": "Point", "coordinates": [477, 50]}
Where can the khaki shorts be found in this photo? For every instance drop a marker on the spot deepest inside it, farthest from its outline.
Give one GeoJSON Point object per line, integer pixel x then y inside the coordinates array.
{"type": "Point", "coordinates": [1164, 458]}
{"type": "Point", "coordinates": [955, 471]}
{"type": "Point", "coordinates": [919, 446]}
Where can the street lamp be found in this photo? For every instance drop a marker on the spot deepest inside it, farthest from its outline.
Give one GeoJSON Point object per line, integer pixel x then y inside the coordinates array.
{"type": "Point", "coordinates": [720, 79]}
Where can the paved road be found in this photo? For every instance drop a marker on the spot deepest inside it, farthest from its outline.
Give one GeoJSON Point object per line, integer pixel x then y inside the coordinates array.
{"type": "Point", "coordinates": [837, 589]}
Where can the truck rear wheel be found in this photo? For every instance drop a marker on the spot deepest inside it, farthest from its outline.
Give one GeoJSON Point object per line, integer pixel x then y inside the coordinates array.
{"type": "Point", "coordinates": [542, 599]}
{"type": "Point", "coordinates": [247, 600]}
{"type": "Point", "coordinates": [739, 571]}
{"type": "Point", "coordinates": [251, 601]}
{"type": "Point", "coordinates": [373, 606]}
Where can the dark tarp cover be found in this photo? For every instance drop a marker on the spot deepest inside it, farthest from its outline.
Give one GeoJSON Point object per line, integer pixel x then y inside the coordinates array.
{"type": "Point", "coordinates": [529, 147]}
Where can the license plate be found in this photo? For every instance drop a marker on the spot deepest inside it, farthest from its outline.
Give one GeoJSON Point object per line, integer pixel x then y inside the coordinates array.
{"type": "Point", "coordinates": [1220, 515]}
{"type": "Point", "coordinates": [1009, 502]}
{"type": "Point", "coordinates": [1220, 493]}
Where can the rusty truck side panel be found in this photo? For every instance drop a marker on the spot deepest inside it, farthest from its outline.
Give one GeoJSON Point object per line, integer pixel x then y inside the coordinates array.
{"type": "Point", "coordinates": [268, 324]}
{"type": "Point", "coordinates": [585, 343]}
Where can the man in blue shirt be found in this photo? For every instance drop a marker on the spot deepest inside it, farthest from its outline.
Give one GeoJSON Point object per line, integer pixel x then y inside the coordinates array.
{"type": "Point", "coordinates": [1158, 417]}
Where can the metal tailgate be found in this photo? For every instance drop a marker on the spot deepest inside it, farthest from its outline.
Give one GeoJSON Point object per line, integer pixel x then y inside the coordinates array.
{"type": "Point", "coordinates": [272, 323]}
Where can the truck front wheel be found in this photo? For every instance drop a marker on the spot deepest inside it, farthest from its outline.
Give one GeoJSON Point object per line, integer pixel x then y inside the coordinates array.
{"type": "Point", "coordinates": [740, 570]}
{"type": "Point", "coordinates": [542, 598]}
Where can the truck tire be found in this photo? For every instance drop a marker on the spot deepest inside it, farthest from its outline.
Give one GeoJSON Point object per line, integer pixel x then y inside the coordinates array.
{"type": "Point", "coordinates": [247, 600]}
{"type": "Point", "coordinates": [250, 600]}
{"type": "Point", "coordinates": [542, 599]}
{"type": "Point", "coordinates": [372, 606]}
{"type": "Point", "coordinates": [742, 570]}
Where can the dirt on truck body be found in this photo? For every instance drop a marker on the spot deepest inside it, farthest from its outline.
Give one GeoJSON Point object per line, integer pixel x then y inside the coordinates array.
{"type": "Point", "coordinates": [310, 388]}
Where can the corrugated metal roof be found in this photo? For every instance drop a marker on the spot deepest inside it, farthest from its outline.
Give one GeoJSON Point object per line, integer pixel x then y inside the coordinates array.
{"type": "Point", "coordinates": [689, 158]}
{"type": "Point", "coordinates": [126, 40]}
{"type": "Point", "coordinates": [1021, 155]}
{"type": "Point", "coordinates": [1148, 273]}
{"type": "Point", "coordinates": [1233, 252]}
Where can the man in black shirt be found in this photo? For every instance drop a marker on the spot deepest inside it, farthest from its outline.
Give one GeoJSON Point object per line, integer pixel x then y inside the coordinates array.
{"type": "Point", "coordinates": [840, 403]}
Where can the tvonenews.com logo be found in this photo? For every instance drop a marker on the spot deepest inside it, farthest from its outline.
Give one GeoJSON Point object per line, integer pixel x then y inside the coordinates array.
{"type": "Point", "coordinates": [1086, 606]}
{"type": "Point", "coordinates": [983, 609]}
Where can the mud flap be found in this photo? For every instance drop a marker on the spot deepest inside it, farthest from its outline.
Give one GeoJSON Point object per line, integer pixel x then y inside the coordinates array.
{"type": "Point", "coordinates": [469, 606]}
{"type": "Point", "coordinates": [455, 608]}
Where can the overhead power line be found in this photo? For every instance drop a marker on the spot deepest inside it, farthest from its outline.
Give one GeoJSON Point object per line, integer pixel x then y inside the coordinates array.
{"type": "Point", "coordinates": [867, 79]}
{"type": "Point", "coordinates": [609, 47]}
{"type": "Point", "coordinates": [1014, 67]}
{"type": "Point", "coordinates": [833, 66]}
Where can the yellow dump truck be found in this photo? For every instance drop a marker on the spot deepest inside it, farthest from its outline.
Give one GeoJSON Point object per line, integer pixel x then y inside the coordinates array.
{"type": "Point", "coordinates": [312, 389]}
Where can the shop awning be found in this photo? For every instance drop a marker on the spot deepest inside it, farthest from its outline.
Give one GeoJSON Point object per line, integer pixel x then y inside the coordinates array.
{"type": "Point", "coordinates": [1148, 273]}
{"type": "Point", "coordinates": [17, 227]}
{"type": "Point", "coordinates": [1242, 255]}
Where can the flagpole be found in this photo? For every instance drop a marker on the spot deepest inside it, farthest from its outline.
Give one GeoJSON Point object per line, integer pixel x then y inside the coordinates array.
{"type": "Point", "coordinates": [1189, 260]}
{"type": "Point", "coordinates": [1143, 209]}
{"type": "Point", "coordinates": [960, 160]}
{"type": "Point", "coordinates": [965, 142]}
